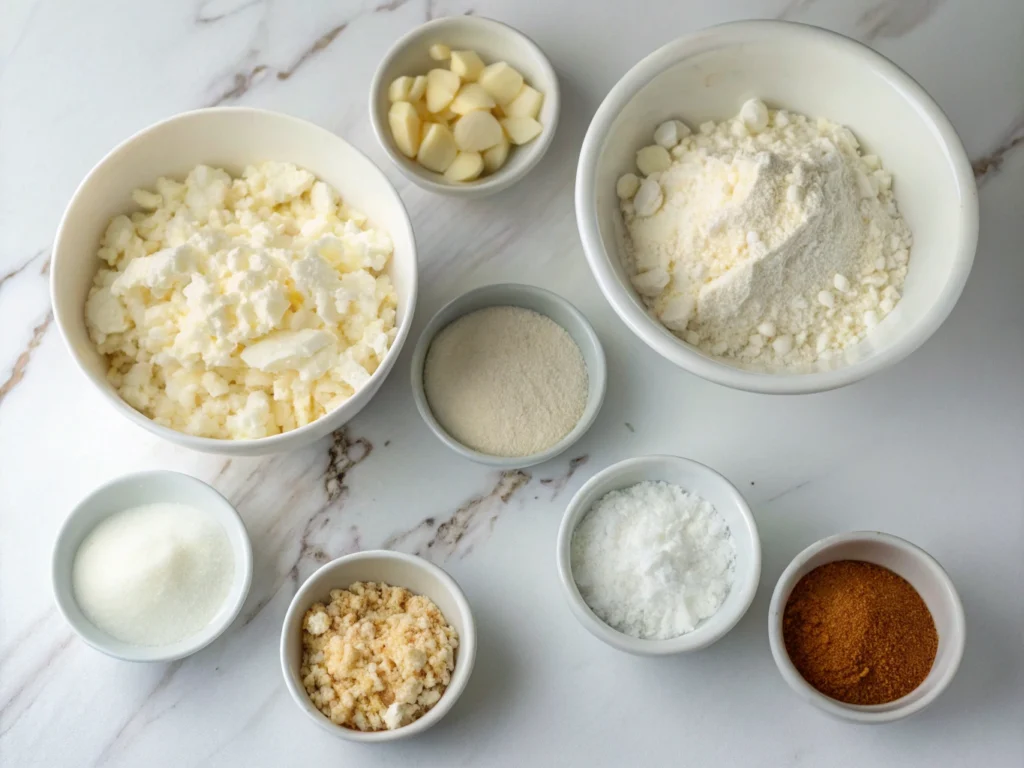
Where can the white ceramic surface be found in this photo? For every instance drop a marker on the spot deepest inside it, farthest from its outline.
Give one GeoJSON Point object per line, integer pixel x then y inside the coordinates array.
{"type": "Point", "coordinates": [924, 574]}
{"type": "Point", "coordinates": [132, 491]}
{"type": "Point", "coordinates": [399, 570]}
{"type": "Point", "coordinates": [930, 449]}
{"type": "Point", "coordinates": [707, 75]}
{"type": "Point", "coordinates": [230, 138]}
{"type": "Point", "coordinates": [494, 42]}
{"type": "Point", "coordinates": [695, 478]}
{"type": "Point", "coordinates": [545, 303]}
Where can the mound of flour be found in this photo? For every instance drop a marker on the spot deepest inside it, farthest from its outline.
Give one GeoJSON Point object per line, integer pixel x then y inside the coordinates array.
{"type": "Point", "coordinates": [777, 242]}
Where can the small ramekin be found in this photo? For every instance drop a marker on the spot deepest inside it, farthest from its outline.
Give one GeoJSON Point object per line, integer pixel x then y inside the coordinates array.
{"type": "Point", "coordinates": [545, 303]}
{"type": "Point", "coordinates": [132, 491]}
{"type": "Point", "coordinates": [398, 570]}
{"type": "Point", "coordinates": [697, 479]}
{"type": "Point", "coordinates": [924, 574]}
{"type": "Point", "coordinates": [494, 42]}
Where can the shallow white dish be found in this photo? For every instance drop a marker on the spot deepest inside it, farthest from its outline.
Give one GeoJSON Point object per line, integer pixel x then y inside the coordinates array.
{"type": "Point", "coordinates": [230, 138]}
{"type": "Point", "coordinates": [398, 570]}
{"type": "Point", "coordinates": [697, 479]}
{"type": "Point", "coordinates": [924, 574]}
{"type": "Point", "coordinates": [707, 76]}
{"type": "Point", "coordinates": [540, 301]}
{"type": "Point", "coordinates": [132, 491]}
{"type": "Point", "coordinates": [494, 42]}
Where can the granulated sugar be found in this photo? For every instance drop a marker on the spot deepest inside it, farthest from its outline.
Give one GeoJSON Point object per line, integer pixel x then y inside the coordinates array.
{"type": "Point", "coordinates": [653, 561]}
{"type": "Point", "coordinates": [505, 381]}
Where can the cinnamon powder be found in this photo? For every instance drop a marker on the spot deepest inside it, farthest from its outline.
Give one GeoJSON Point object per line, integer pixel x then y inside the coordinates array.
{"type": "Point", "coordinates": [859, 633]}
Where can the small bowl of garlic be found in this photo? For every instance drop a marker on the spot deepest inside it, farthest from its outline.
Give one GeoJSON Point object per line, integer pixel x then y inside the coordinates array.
{"type": "Point", "coordinates": [464, 105]}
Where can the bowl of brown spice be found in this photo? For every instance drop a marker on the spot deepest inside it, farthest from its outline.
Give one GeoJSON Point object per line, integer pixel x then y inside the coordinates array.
{"type": "Point", "coordinates": [866, 626]}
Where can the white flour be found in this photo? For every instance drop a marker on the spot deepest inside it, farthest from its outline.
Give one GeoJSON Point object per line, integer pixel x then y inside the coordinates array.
{"type": "Point", "coordinates": [776, 241]}
{"type": "Point", "coordinates": [652, 560]}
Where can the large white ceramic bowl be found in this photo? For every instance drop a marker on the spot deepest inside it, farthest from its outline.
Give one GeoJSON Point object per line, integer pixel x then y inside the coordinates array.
{"type": "Point", "coordinates": [695, 478]}
{"type": "Point", "coordinates": [707, 76]}
{"type": "Point", "coordinates": [398, 570]}
{"type": "Point", "coordinates": [230, 138]}
{"type": "Point", "coordinates": [494, 42]}
{"type": "Point", "coordinates": [924, 574]}
{"type": "Point", "coordinates": [160, 486]}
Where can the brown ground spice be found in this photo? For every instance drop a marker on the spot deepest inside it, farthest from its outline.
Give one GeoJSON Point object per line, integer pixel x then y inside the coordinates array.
{"type": "Point", "coordinates": [859, 633]}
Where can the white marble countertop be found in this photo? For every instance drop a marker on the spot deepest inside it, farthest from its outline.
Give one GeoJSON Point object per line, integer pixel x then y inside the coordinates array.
{"type": "Point", "coordinates": [930, 450]}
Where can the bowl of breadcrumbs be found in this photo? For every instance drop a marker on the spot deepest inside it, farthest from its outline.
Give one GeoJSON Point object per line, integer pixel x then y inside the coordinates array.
{"type": "Point", "coordinates": [377, 646]}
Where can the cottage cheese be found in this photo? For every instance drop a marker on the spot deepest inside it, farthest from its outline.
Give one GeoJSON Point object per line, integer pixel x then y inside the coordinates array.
{"type": "Point", "coordinates": [241, 308]}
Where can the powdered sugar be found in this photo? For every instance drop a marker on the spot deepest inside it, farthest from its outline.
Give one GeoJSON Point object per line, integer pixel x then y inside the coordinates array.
{"type": "Point", "coordinates": [652, 560]}
{"type": "Point", "coordinates": [775, 242]}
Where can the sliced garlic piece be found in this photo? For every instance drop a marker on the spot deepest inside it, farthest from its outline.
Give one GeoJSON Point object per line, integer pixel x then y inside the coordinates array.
{"type": "Point", "coordinates": [400, 89]}
{"type": "Point", "coordinates": [471, 96]}
{"type": "Point", "coordinates": [466, 167]}
{"type": "Point", "coordinates": [437, 150]}
{"type": "Point", "coordinates": [439, 52]}
{"type": "Point", "coordinates": [419, 88]}
{"type": "Point", "coordinates": [442, 86]}
{"type": "Point", "coordinates": [405, 127]}
{"type": "Point", "coordinates": [496, 156]}
{"type": "Point", "coordinates": [467, 65]}
{"type": "Point", "coordinates": [526, 104]}
{"type": "Point", "coordinates": [501, 81]}
{"type": "Point", "coordinates": [477, 131]}
{"type": "Point", "coordinates": [521, 130]}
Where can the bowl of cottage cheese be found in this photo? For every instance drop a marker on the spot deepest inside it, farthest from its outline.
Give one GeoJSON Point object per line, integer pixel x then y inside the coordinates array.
{"type": "Point", "coordinates": [775, 207]}
{"type": "Point", "coordinates": [234, 280]}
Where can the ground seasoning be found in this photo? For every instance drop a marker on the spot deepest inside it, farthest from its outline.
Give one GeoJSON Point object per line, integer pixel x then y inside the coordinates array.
{"type": "Point", "coordinates": [859, 633]}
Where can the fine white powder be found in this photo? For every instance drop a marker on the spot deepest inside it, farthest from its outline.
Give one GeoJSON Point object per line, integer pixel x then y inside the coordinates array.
{"type": "Point", "coordinates": [653, 561]}
{"type": "Point", "coordinates": [506, 381]}
{"type": "Point", "coordinates": [769, 238]}
{"type": "Point", "coordinates": [153, 575]}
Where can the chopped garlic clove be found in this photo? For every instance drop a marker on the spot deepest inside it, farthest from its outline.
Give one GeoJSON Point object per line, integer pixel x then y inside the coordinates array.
{"type": "Point", "coordinates": [439, 52]}
{"type": "Point", "coordinates": [419, 88]}
{"type": "Point", "coordinates": [653, 159]}
{"type": "Point", "coordinates": [471, 96]}
{"type": "Point", "coordinates": [501, 81]}
{"type": "Point", "coordinates": [627, 185]}
{"type": "Point", "coordinates": [526, 104]}
{"type": "Point", "coordinates": [495, 157]}
{"type": "Point", "coordinates": [521, 130]}
{"type": "Point", "coordinates": [405, 127]}
{"type": "Point", "coordinates": [467, 65]}
{"type": "Point", "coordinates": [400, 89]}
{"type": "Point", "coordinates": [442, 86]}
{"type": "Point", "coordinates": [466, 167]}
{"type": "Point", "coordinates": [437, 150]}
{"type": "Point", "coordinates": [648, 198]}
{"type": "Point", "coordinates": [477, 131]}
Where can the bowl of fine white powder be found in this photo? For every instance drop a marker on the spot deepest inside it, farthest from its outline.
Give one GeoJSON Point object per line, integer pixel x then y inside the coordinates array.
{"type": "Point", "coordinates": [658, 555]}
{"type": "Point", "coordinates": [775, 207]}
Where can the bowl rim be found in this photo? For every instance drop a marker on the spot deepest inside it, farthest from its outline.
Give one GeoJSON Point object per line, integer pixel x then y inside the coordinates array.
{"type": "Point", "coordinates": [464, 662]}
{"type": "Point", "coordinates": [700, 637]}
{"type": "Point", "coordinates": [500, 293]}
{"type": "Point", "coordinates": [274, 443]}
{"type": "Point", "coordinates": [491, 183]}
{"type": "Point", "coordinates": [677, 351]}
{"type": "Point", "coordinates": [877, 713]}
{"type": "Point", "coordinates": [235, 530]}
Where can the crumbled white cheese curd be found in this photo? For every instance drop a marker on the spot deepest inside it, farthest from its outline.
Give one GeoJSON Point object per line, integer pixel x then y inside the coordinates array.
{"type": "Point", "coordinates": [769, 239]}
{"type": "Point", "coordinates": [376, 657]}
{"type": "Point", "coordinates": [241, 308]}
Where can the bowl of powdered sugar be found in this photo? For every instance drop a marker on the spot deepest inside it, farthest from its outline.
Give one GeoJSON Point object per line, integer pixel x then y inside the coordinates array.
{"type": "Point", "coordinates": [775, 207]}
{"type": "Point", "coordinates": [509, 375]}
{"type": "Point", "coordinates": [659, 555]}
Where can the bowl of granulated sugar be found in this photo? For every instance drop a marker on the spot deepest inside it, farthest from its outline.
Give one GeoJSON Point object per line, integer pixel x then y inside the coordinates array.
{"type": "Point", "coordinates": [509, 375]}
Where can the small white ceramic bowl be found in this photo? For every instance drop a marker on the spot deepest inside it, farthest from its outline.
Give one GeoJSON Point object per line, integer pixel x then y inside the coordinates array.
{"type": "Point", "coordinates": [134, 490]}
{"type": "Point", "coordinates": [924, 574]}
{"type": "Point", "coordinates": [230, 138]}
{"type": "Point", "coordinates": [707, 76]}
{"type": "Point", "coordinates": [701, 481]}
{"type": "Point", "coordinates": [494, 42]}
{"type": "Point", "coordinates": [398, 570]}
{"type": "Point", "coordinates": [540, 301]}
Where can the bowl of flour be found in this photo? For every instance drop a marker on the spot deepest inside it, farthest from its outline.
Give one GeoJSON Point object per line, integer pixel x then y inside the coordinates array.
{"type": "Point", "coordinates": [658, 555]}
{"type": "Point", "coordinates": [775, 207]}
